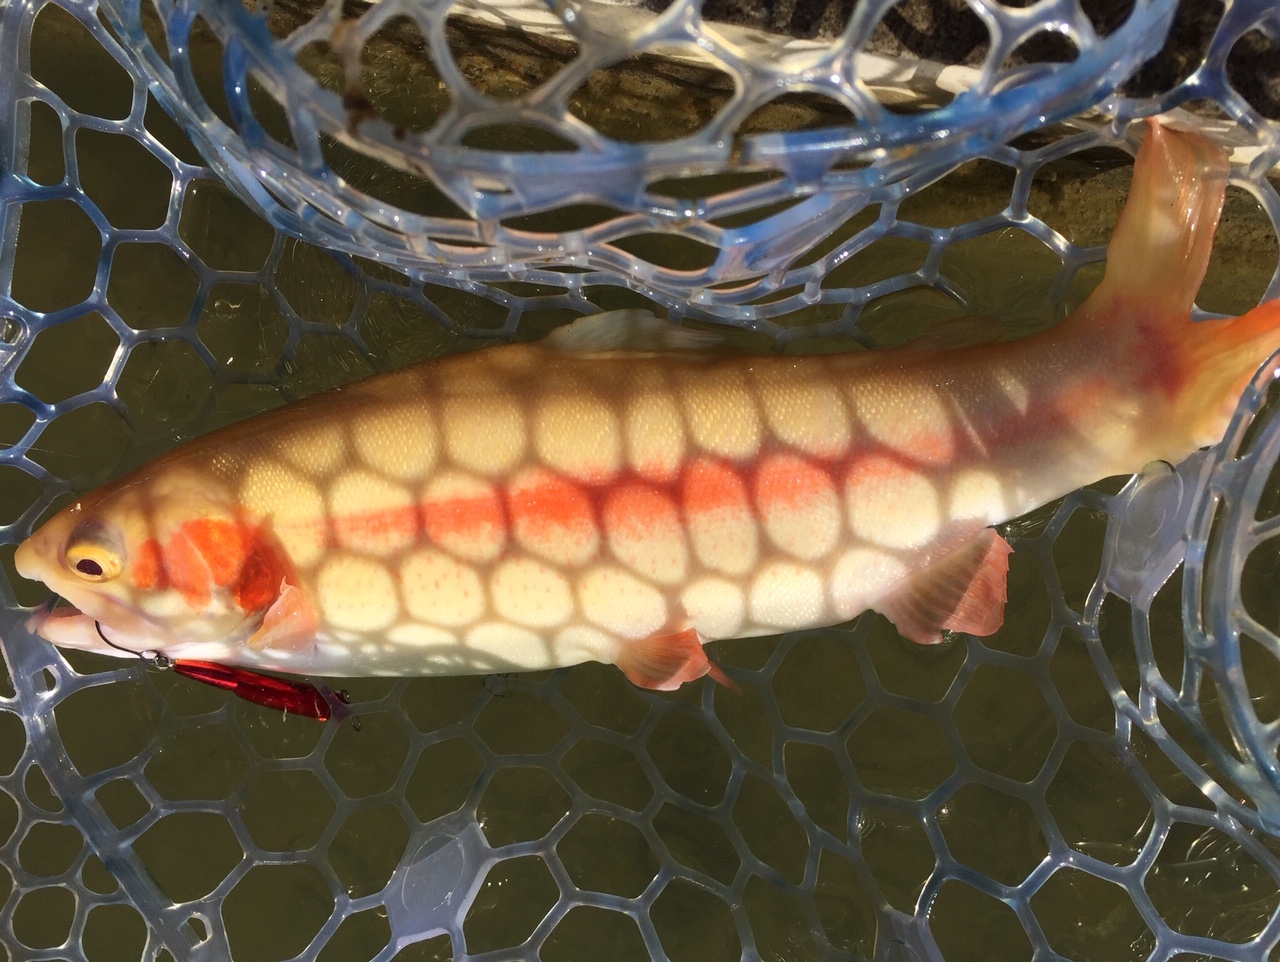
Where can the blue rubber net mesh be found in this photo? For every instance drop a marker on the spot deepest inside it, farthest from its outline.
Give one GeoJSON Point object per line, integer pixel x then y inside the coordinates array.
{"type": "Point", "coordinates": [208, 209]}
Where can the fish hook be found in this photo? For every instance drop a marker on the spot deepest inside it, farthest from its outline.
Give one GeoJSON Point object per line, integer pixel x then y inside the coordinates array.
{"type": "Point", "coordinates": [154, 659]}
{"type": "Point", "coordinates": [269, 691]}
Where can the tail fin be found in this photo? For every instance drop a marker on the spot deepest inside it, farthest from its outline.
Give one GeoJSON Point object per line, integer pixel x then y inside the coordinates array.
{"type": "Point", "coordinates": [1226, 355]}
{"type": "Point", "coordinates": [1160, 248]}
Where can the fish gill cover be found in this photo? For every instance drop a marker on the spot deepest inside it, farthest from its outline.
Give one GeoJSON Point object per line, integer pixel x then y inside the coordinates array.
{"type": "Point", "coordinates": [208, 209]}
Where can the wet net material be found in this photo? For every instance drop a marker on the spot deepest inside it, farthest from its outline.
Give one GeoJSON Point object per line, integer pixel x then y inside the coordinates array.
{"type": "Point", "coordinates": [207, 210]}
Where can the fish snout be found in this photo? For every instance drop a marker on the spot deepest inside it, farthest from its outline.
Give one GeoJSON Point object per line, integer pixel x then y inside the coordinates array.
{"type": "Point", "coordinates": [35, 557]}
{"type": "Point", "coordinates": [25, 558]}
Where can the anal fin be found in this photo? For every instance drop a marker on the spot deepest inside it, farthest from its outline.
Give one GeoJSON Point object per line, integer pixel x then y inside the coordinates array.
{"type": "Point", "coordinates": [289, 624]}
{"type": "Point", "coordinates": [665, 662]}
{"type": "Point", "coordinates": [963, 591]}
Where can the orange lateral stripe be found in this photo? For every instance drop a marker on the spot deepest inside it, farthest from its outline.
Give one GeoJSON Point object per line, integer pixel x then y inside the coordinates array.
{"type": "Point", "coordinates": [373, 526]}
{"type": "Point", "coordinates": [457, 517]}
{"type": "Point", "coordinates": [636, 510]}
{"type": "Point", "coordinates": [543, 503]}
{"type": "Point", "coordinates": [549, 502]}
{"type": "Point", "coordinates": [789, 481]}
{"type": "Point", "coordinates": [876, 469]}
{"type": "Point", "coordinates": [712, 486]}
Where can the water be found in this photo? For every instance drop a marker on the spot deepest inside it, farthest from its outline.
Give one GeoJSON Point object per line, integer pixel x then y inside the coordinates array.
{"type": "Point", "coordinates": [862, 728]}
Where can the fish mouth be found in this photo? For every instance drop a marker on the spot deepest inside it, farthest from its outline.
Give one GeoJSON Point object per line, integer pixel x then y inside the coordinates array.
{"type": "Point", "coordinates": [72, 628]}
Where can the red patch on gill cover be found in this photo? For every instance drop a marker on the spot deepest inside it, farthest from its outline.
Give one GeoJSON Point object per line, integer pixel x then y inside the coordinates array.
{"type": "Point", "coordinates": [789, 481]}
{"type": "Point", "coordinates": [188, 570]}
{"type": "Point", "coordinates": [712, 486]}
{"type": "Point", "coordinates": [149, 572]}
{"type": "Point", "coordinates": [220, 543]}
{"type": "Point", "coordinates": [260, 576]}
{"type": "Point", "coordinates": [207, 554]}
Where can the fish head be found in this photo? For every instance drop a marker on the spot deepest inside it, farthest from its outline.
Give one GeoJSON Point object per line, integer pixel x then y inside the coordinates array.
{"type": "Point", "coordinates": [159, 562]}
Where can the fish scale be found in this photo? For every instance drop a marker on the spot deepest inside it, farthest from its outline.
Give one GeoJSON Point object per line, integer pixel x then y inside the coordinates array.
{"type": "Point", "coordinates": [535, 505]}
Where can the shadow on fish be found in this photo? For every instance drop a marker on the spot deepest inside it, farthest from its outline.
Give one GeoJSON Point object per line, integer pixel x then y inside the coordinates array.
{"type": "Point", "coordinates": [624, 491]}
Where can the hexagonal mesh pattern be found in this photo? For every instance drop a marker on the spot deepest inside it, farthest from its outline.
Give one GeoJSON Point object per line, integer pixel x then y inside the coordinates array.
{"type": "Point", "coordinates": [1098, 780]}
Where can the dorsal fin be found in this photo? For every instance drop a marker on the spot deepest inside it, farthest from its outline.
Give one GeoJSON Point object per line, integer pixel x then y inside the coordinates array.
{"type": "Point", "coordinates": [633, 329]}
{"type": "Point", "coordinates": [1159, 250]}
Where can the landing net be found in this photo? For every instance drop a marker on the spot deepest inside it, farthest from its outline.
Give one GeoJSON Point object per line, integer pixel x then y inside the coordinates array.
{"type": "Point", "coordinates": [208, 209]}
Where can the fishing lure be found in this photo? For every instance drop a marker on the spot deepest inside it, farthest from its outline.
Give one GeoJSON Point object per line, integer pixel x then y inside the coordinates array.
{"type": "Point", "coordinates": [299, 697]}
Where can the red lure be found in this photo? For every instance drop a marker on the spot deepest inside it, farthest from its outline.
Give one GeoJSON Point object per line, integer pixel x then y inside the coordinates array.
{"type": "Point", "coordinates": [269, 691]}
{"type": "Point", "coordinates": [298, 697]}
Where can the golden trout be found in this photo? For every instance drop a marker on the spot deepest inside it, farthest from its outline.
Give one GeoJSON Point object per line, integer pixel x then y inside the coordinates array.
{"type": "Point", "coordinates": [619, 492]}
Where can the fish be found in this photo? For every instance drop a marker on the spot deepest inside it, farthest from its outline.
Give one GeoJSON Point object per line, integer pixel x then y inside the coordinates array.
{"type": "Point", "coordinates": [624, 491]}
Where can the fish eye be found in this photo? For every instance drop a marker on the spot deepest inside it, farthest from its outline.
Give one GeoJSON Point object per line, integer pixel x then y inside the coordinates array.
{"type": "Point", "coordinates": [91, 555]}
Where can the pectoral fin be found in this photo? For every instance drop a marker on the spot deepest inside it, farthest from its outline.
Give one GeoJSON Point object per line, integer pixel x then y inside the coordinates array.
{"type": "Point", "coordinates": [964, 591]}
{"type": "Point", "coordinates": [288, 625]}
{"type": "Point", "coordinates": [665, 662]}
